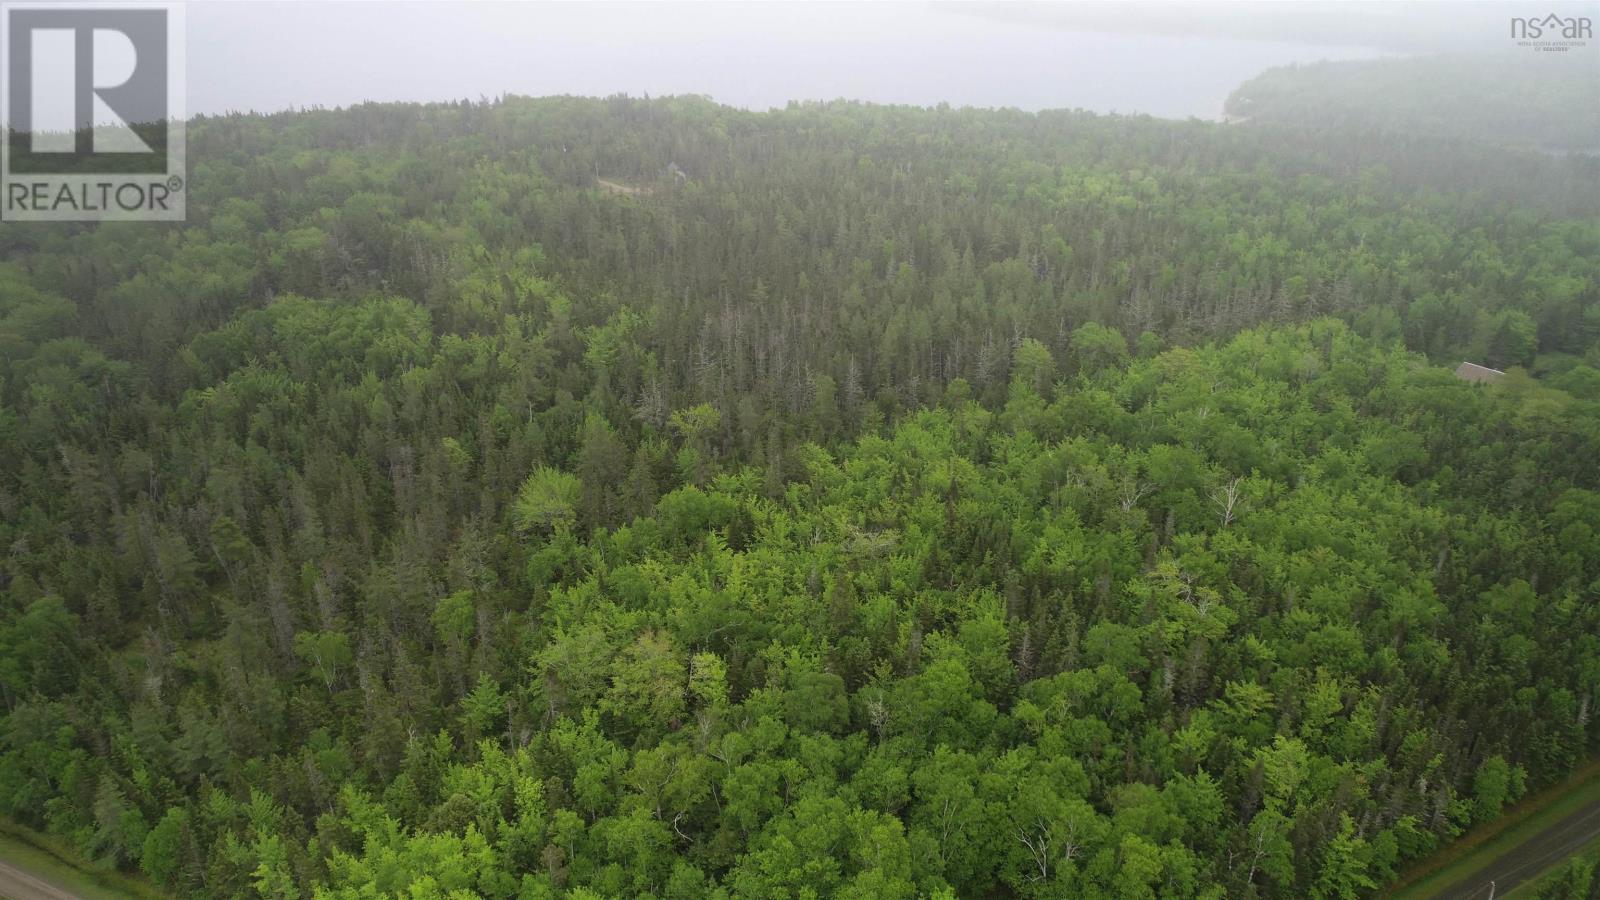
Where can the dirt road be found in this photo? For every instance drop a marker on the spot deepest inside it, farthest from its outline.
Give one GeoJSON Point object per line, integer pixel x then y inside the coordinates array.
{"type": "Point", "coordinates": [1527, 861]}
{"type": "Point", "coordinates": [16, 884]}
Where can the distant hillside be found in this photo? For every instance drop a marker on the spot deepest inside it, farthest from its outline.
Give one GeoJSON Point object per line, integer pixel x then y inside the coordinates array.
{"type": "Point", "coordinates": [1550, 101]}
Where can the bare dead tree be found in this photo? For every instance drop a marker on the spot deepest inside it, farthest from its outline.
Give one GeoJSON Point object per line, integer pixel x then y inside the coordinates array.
{"type": "Point", "coordinates": [1038, 843]}
{"type": "Point", "coordinates": [1258, 849]}
{"type": "Point", "coordinates": [1134, 491]}
{"type": "Point", "coordinates": [1227, 501]}
{"type": "Point", "coordinates": [878, 715]}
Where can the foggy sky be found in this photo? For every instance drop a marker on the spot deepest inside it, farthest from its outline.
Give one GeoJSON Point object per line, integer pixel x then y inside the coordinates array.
{"type": "Point", "coordinates": [1167, 59]}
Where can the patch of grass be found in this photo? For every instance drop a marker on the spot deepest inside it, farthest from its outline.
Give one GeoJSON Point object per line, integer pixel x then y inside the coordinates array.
{"type": "Point", "coordinates": [46, 857]}
{"type": "Point", "coordinates": [1486, 843]}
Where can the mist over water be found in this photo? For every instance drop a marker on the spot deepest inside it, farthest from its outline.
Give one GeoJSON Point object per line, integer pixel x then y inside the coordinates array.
{"type": "Point", "coordinates": [265, 57]}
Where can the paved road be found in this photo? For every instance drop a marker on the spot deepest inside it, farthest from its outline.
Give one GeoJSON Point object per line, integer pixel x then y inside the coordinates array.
{"type": "Point", "coordinates": [16, 884]}
{"type": "Point", "coordinates": [1532, 858]}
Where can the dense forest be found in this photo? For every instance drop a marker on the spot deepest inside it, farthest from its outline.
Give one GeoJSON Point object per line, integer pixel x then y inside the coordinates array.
{"type": "Point", "coordinates": [1518, 98]}
{"type": "Point", "coordinates": [601, 498]}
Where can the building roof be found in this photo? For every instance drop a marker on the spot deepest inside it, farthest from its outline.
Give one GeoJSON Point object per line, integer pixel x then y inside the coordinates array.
{"type": "Point", "coordinates": [1480, 374]}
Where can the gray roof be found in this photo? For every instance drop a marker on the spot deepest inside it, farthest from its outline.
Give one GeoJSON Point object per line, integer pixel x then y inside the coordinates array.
{"type": "Point", "coordinates": [1480, 374]}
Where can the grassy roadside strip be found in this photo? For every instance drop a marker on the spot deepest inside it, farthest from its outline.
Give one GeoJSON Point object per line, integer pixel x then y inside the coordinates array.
{"type": "Point", "coordinates": [1482, 845]}
{"type": "Point", "coordinates": [50, 859]}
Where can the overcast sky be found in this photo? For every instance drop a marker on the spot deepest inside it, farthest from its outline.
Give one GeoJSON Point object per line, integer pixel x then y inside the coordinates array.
{"type": "Point", "coordinates": [1163, 58]}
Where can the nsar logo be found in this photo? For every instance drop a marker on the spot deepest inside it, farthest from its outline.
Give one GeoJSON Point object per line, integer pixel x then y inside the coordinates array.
{"type": "Point", "coordinates": [1552, 32]}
